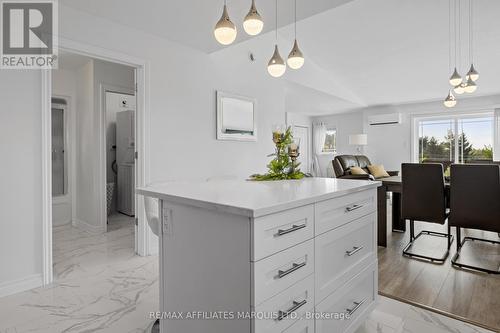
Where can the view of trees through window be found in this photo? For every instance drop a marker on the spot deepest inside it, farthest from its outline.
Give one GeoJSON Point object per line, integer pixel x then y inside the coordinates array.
{"type": "Point", "coordinates": [330, 141]}
{"type": "Point", "coordinates": [458, 140]}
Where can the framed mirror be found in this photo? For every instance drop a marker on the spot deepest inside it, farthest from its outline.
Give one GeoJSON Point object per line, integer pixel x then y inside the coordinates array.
{"type": "Point", "coordinates": [236, 117]}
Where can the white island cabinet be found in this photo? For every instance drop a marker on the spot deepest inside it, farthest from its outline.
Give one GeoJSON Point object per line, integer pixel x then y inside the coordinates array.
{"type": "Point", "coordinates": [266, 257]}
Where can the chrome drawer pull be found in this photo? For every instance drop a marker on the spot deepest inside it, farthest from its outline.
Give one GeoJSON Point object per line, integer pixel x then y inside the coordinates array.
{"type": "Point", "coordinates": [282, 232]}
{"type": "Point", "coordinates": [296, 305]}
{"type": "Point", "coordinates": [354, 250]}
{"type": "Point", "coordinates": [357, 305]}
{"type": "Point", "coordinates": [295, 267]}
{"type": "Point", "coordinates": [352, 208]}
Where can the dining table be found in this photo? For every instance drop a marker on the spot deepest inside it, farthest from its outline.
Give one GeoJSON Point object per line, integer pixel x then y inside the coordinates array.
{"type": "Point", "coordinates": [394, 185]}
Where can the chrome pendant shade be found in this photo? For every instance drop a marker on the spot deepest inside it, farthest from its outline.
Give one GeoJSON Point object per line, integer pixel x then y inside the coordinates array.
{"type": "Point", "coordinates": [450, 100]}
{"type": "Point", "coordinates": [295, 58]}
{"type": "Point", "coordinates": [225, 31]}
{"type": "Point", "coordinates": [253, 23]}
{"type": "Point", "coordinates": [473, 74]}
{"type": "Point", "coordinates": [276, 66]}
{"type": "Point", "coordinates": [459, 89]}
{"type": "Point", "coordinates": [470, 86]}
{"type": "Point", "coordinates": [455, 78]}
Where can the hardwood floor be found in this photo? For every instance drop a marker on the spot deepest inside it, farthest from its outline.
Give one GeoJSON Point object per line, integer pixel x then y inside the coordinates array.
{"type": "Point", "coordinates": [465, 295]}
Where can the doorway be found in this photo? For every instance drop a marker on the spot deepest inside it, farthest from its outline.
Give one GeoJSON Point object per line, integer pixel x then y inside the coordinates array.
{"type": "Point", "coordinates": [144, 239]}
{"type": "Point", "coordinates": [302, 133]}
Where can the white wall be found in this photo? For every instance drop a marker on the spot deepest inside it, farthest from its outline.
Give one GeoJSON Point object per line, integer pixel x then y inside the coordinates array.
{"type": "Point", "coordinates": [345, 124]}
{"type": "Point", "coordinates": [390, 145]}
{"type": "Point", "coordinates": [182, 84]}
{"type": "Point", "coordinates": [20, 179]}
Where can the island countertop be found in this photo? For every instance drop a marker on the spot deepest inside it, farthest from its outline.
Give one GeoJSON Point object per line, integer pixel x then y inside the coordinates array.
{"type": "Point", "coordinates": [255, 198]}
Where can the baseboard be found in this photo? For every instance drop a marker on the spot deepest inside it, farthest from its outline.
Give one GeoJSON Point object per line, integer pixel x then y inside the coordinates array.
{"type": "Point", "coordinates": [19, 285]}
{"type": "Point", "coordinates": [87, 227]}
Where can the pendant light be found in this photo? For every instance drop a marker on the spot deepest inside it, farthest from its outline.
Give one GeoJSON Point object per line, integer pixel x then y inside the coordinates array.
{"type": "Point", "coordinates": [450, 100]}
{"type": "Point", "coordinates": [225, 31]}
{"type": "Point", "coordinates": [472, 74]}
{"type": "Point", "coordinates": [459, 89]}
{"type": "Point", "coordinates": [295, 58]}
{"type": "Point", "coordinates": [253, 23]}
{"type": "Point", "coordinates": [276, 66]}
{"type": "Point", "coordinates": [470, 86]}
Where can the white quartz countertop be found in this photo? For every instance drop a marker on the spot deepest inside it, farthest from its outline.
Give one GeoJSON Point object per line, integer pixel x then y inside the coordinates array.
{"type": "Point", "coordinates": [253, 198]}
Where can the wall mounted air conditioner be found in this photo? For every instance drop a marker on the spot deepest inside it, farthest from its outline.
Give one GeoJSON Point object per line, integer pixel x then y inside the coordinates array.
{"type": "Point", "coordinates": [384, 119]}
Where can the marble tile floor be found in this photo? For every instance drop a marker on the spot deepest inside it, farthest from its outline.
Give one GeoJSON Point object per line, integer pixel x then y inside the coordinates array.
{"type": "Point", "coordinates": [101, 286]}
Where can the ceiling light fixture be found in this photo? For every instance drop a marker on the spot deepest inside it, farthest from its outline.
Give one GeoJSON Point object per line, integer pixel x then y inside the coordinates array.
{"type": "Point", "coordinates": [276, 66]}
{"type": "Point", "coordinates": [225, 31]}
{"type": "Point", "coordinates": [253, 23]}
{"type": "Point", "coordinates": [295, 58]}
{"type": "Point", "coordinates": [450, 100]}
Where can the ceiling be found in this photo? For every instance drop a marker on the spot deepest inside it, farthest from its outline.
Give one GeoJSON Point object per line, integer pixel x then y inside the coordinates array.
{"type": "Point", "coordinates": [358, 52]}
{"type": "Point", "coordinates": [191, 22]}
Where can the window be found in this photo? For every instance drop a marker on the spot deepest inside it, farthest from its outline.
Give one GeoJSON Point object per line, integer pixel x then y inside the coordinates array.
{"type": "Point", "coordinates": [330, 145]}
{"type": "Point", "coordinates": [458, 139]}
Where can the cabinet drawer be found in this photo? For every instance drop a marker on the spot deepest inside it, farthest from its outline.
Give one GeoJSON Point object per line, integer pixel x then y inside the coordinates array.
{"type": "Point", "coordinates": [286, 307]}
{"type": "Point", "coordinates": [349, 305]}
{"type": "Point", "coordinates": [276, 273]}
{"type": "Point", "coordinates": [301, 326]}
{"type": "Point", "coordinates": [342, 253]}
{"type": "Point", "coordinates": [275, 232]}
{"type": "Point", "coordinates": [333, 213]}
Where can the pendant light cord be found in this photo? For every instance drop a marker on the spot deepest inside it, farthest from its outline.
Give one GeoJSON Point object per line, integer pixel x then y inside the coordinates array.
{"type": "Point", "coordinates": [459, 35]}
{"type": "Point", "coordinates": [449, 35]}
{"type": "Point", "coordinates": [295, 19]}
{"type": "Point", "coordinates": [276, 12]}
{"type": "Point", "coordinates": [471, 35]}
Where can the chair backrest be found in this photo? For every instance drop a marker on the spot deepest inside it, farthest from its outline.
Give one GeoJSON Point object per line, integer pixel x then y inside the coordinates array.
{"type": "Point", "coordinates": [423, 192]}
{"type": "Point", "coordinates": [475, 196]}
{"type": "Point", "coordinates": [342, 163]}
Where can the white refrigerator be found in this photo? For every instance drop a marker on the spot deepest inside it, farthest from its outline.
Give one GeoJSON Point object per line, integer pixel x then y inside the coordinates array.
{"type": "Point", "coordinates": [125, 160]}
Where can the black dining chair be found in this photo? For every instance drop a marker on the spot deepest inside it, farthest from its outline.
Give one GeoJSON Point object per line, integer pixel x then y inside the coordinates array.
{"type": "Point", "coordinates": [475, 204]}
{"type": "Point", "coordinates": [424, 199]}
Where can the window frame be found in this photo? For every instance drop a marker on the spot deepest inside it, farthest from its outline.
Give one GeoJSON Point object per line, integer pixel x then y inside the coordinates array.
{"type": "Point", "coordinates": [334, 151]}
{"type": "Point", "coordinates": [455, 117]}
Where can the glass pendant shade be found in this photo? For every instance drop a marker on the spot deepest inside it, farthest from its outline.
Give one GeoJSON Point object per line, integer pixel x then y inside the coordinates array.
{"type": "Point", "coordinates": [473, 74]}
{"type": "Point", "coordinates": [225, 31]}
{"type": "Point", "coordinates": [459, 89]}
{"type": "Point", "coordinates": [470, 86]}
{"type": "Point", "coordinates": [253, 23]}
{"type": "Point", "coordinates": [450, 100]}
{"type": "Point", "coordinates": [276, 66]}
{"type": "Point", "coordinates": [455, 78]}
{"type": "Point", "coordinates": [295, 58]}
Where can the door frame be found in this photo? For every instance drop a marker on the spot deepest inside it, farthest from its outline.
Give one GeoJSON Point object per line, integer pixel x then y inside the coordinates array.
{"type": "Point", "coordinates": [144, 234]}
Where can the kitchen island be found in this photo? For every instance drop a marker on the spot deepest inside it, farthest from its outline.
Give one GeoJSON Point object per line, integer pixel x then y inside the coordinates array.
{"type": "Point", "coordinates": [266, 257]}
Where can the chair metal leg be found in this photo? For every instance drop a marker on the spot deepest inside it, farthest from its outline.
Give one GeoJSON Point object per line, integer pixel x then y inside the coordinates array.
{"type": "Point", "coordinates": [412, 230]}
{"type": "Point", "coordinates": [449, 237]}
{"type": "Point", "coordinates": [413, 238]}
{"type": "Point", "coordinates": [460, 244]}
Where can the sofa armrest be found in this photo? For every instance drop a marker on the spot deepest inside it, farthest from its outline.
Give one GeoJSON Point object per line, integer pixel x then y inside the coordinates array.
{"type": "Point", "coordinates": [362, 177]}
{"type": "Point", "coordinates": [393, 173]}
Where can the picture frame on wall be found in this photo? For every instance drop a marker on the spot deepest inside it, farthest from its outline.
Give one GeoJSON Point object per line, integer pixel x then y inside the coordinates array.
{"type": "Point", "coordinates": [236, 117]}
